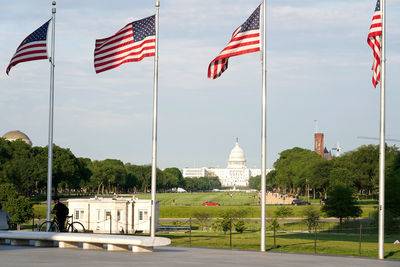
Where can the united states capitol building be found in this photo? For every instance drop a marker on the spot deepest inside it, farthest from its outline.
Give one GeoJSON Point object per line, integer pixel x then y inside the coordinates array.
{"type": "Point", "coordinates": [236, 174]}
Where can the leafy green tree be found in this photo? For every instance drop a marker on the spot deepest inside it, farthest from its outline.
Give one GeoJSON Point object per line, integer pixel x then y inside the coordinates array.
{"type": "Point", "coordinates": [65, 168]}
{"type": "Point", "coordinates": [203, 218]}
{"type": "Point", "coordinates": [293, 168]}
{"type": "Point", "coordinates": [39, 173]}
{"type": "Point", "coordinates": [201, 184]}
{"type": "Point", "coordinates": [230, 216]}
{"type": "Point", "coordinates": [255, 182]}
{"type": "Point", "coordinates": [240, 226]}
{"type": "Point", "coordinates": [5, 151]}
{"type": "Point", "coordinates": [191, 184]}
{"type": "Point", "coordinates": [214, 183]}
{"type": "Point", "coordinates": [175, 177]}
{"type": "Point", "coordinates": [18, 207]}
{"type": "Point", "coordinates": [225, 224]}
{"type": "Point", "coordinates": [273, 225]}
{"type": "Point", "coordinates": [108, 174]}
{"type": "Point", "coordinates": [311, 217]}
{"type": "Point", "coordinates": [141, 174]}
{"type": "Point", "coordinates": [364, 165]}
{"type": "Point", "coordinates": [17, 169]}
{"type": "Point", "coordinates": [341, 203]}
{"type": "Point", "coordinates": [8, 192]}
{"type": "Point", "coordinates": [341, 176]}
{"type": "Point", "coordinates": [284, 212]}
{"type": "Point", "coordinates": [392, 198]}
{"type": "Point", "coordinates": [132, 182]}
{"type": "Point", "coordinates": [84, 174]}
{"type": "Point", "coordinates": [20, 210]}
{"type": "Point", "coordinates": [320, 175]}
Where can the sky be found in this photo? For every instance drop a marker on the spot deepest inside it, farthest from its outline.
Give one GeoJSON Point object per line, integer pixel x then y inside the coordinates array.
{"type": "Point", "coordinates": [318, 63]}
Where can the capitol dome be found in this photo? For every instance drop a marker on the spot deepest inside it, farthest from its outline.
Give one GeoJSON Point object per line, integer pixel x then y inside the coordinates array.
{"type": "Point", "coordinates": [236, 158]}
{"type": "Point", "coordinates": [15, 135]}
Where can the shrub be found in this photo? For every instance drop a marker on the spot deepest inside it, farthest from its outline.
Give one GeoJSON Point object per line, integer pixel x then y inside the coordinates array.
{"type": "Point", "coordinates": [203, 218]}
{"type": "Point", "coordinates": [284, 212]}
{"type": "Point", "coordinates": [240, 226]}
{"type": "Point", "coordinates": [273, 222]}
{"type": "Point", "coordinates": [311, 217]}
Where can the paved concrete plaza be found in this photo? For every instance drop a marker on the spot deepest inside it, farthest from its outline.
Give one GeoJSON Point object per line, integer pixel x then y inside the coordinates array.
{"type": "Point", "coordinates": [174, 256]}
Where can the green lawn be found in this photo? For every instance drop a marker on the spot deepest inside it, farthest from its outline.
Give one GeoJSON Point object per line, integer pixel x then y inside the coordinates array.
{"type": "Point", "coordinates": [289, 242]}
{"type": "Point", "coordinates": [252, 211]}
{"type": "Point", "coordinates": [292, 236]}
{"type": "Point", "coordinates": [182, 205]}
{"type": "Point", "coordinates": [197, 199]}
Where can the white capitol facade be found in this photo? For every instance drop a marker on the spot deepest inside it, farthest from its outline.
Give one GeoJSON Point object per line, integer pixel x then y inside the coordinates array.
{"type": "Point", "coordinates": [236, 174]}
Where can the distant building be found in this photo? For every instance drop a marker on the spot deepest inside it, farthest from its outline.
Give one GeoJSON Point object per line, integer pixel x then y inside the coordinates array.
{"type": "Point", "coordinates": [116, 215]}
{"type": "Point", "coordinates": [327, 154]}
{"type": "Point", "coordinates": [319, 146]}
{"type": "Point", "coordinates": [236, 174]}
{"type": "Point", "coordinates": [17, 135]}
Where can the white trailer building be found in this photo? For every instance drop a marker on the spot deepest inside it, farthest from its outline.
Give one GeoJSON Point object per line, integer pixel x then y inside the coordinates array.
{"type": "Point", "coordinates": [115, 215]}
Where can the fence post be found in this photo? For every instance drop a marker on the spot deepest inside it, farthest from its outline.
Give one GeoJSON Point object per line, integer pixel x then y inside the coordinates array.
{"type": "Point", "coordinates": [274, 237]}
{"type": "Point", "coordinates": [359, 244]}
{"type": "Point", "coordinates": [190, 232]}
{"type": "Point", "coordinates": [33, 222]}
{"type": "Point", "coordinates": [230, 233]}
{"type": "Point", "coordinates": [315, 239]}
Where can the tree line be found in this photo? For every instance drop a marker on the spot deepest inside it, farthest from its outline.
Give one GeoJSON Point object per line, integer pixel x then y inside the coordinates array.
{"type": "Point", "coordinates": [300, 171]}
{"type": "Point", "coordinates": [25, 167]}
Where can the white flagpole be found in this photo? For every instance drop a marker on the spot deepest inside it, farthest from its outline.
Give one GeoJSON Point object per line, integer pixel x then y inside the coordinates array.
{"type": "Point", "coordinates": [154, 154]}
{"type": "Point", "coordinates": [51, 113]}
{"type": "Point", "coordinates": [264, 126]}
{"type": "Point", "coordinates": [381, 234]}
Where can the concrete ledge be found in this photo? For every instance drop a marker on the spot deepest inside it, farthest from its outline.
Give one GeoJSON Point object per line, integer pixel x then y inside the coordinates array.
{"type": "Point", "coordinates": [89, 241]}
{"type": "Point", "coordinates": [63, 244]}
{"type": "Point", "coordinates": [20, 242]}
{"type": "Point", "coordinates": [113, 247]}
{"type": "Point", "coordinates": [142, 249]}
{"type": "Point", "coordinates": [93, 246]}
{"type": "Point", "coordinates": [44, 243]}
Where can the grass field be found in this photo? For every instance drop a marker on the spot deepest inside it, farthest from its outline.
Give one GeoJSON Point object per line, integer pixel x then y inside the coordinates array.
{"type": "Point", "coordinates": [290, 242]}
{"type": "Point", "coordinates": [197, 199]}
{"type": "Point", "coordinates": [252, 211]}
{"type": "Point", "coordinates": [292, 236]}
{"type": "Point", "coordinates": [182, 205]}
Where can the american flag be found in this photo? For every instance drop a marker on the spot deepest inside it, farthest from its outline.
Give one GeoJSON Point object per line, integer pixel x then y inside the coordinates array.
{"type": "Point", "coordinates": [33, 47]}
{"type": "Point", "coordinates": [132, 43]}
{"type": "Point", "coordinates": [245, 39]}
{"type": "Point", "coordinates": [374, 41]}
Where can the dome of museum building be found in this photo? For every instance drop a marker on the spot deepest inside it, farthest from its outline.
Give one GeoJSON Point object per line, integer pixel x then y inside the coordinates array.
{"type": "Point", "coordinates": [15, 135]}
{"type": "Point", "coordinates": [236, 158]}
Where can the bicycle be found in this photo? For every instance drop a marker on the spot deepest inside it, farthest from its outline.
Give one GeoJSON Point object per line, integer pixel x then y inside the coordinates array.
{"type": "Point", "coordinates": [71, 226]}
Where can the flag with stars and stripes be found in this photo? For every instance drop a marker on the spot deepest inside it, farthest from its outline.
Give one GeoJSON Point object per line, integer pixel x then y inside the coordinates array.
{"type": "Point", "coordinates": [33, 47]}
{"type": "Point", "coordinates": [245, 39]}
{"type": "Point", "coordinates": [374, 41]}
{"type": "Point", "coordinates": [130, 44]}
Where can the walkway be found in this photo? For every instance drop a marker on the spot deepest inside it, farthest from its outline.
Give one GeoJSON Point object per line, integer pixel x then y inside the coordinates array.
{"type": "Point", "coordinates": [175, 256]}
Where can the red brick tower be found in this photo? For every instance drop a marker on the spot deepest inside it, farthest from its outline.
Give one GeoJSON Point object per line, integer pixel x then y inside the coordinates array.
{"type": "Point", "coordinates": [319, 144]}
